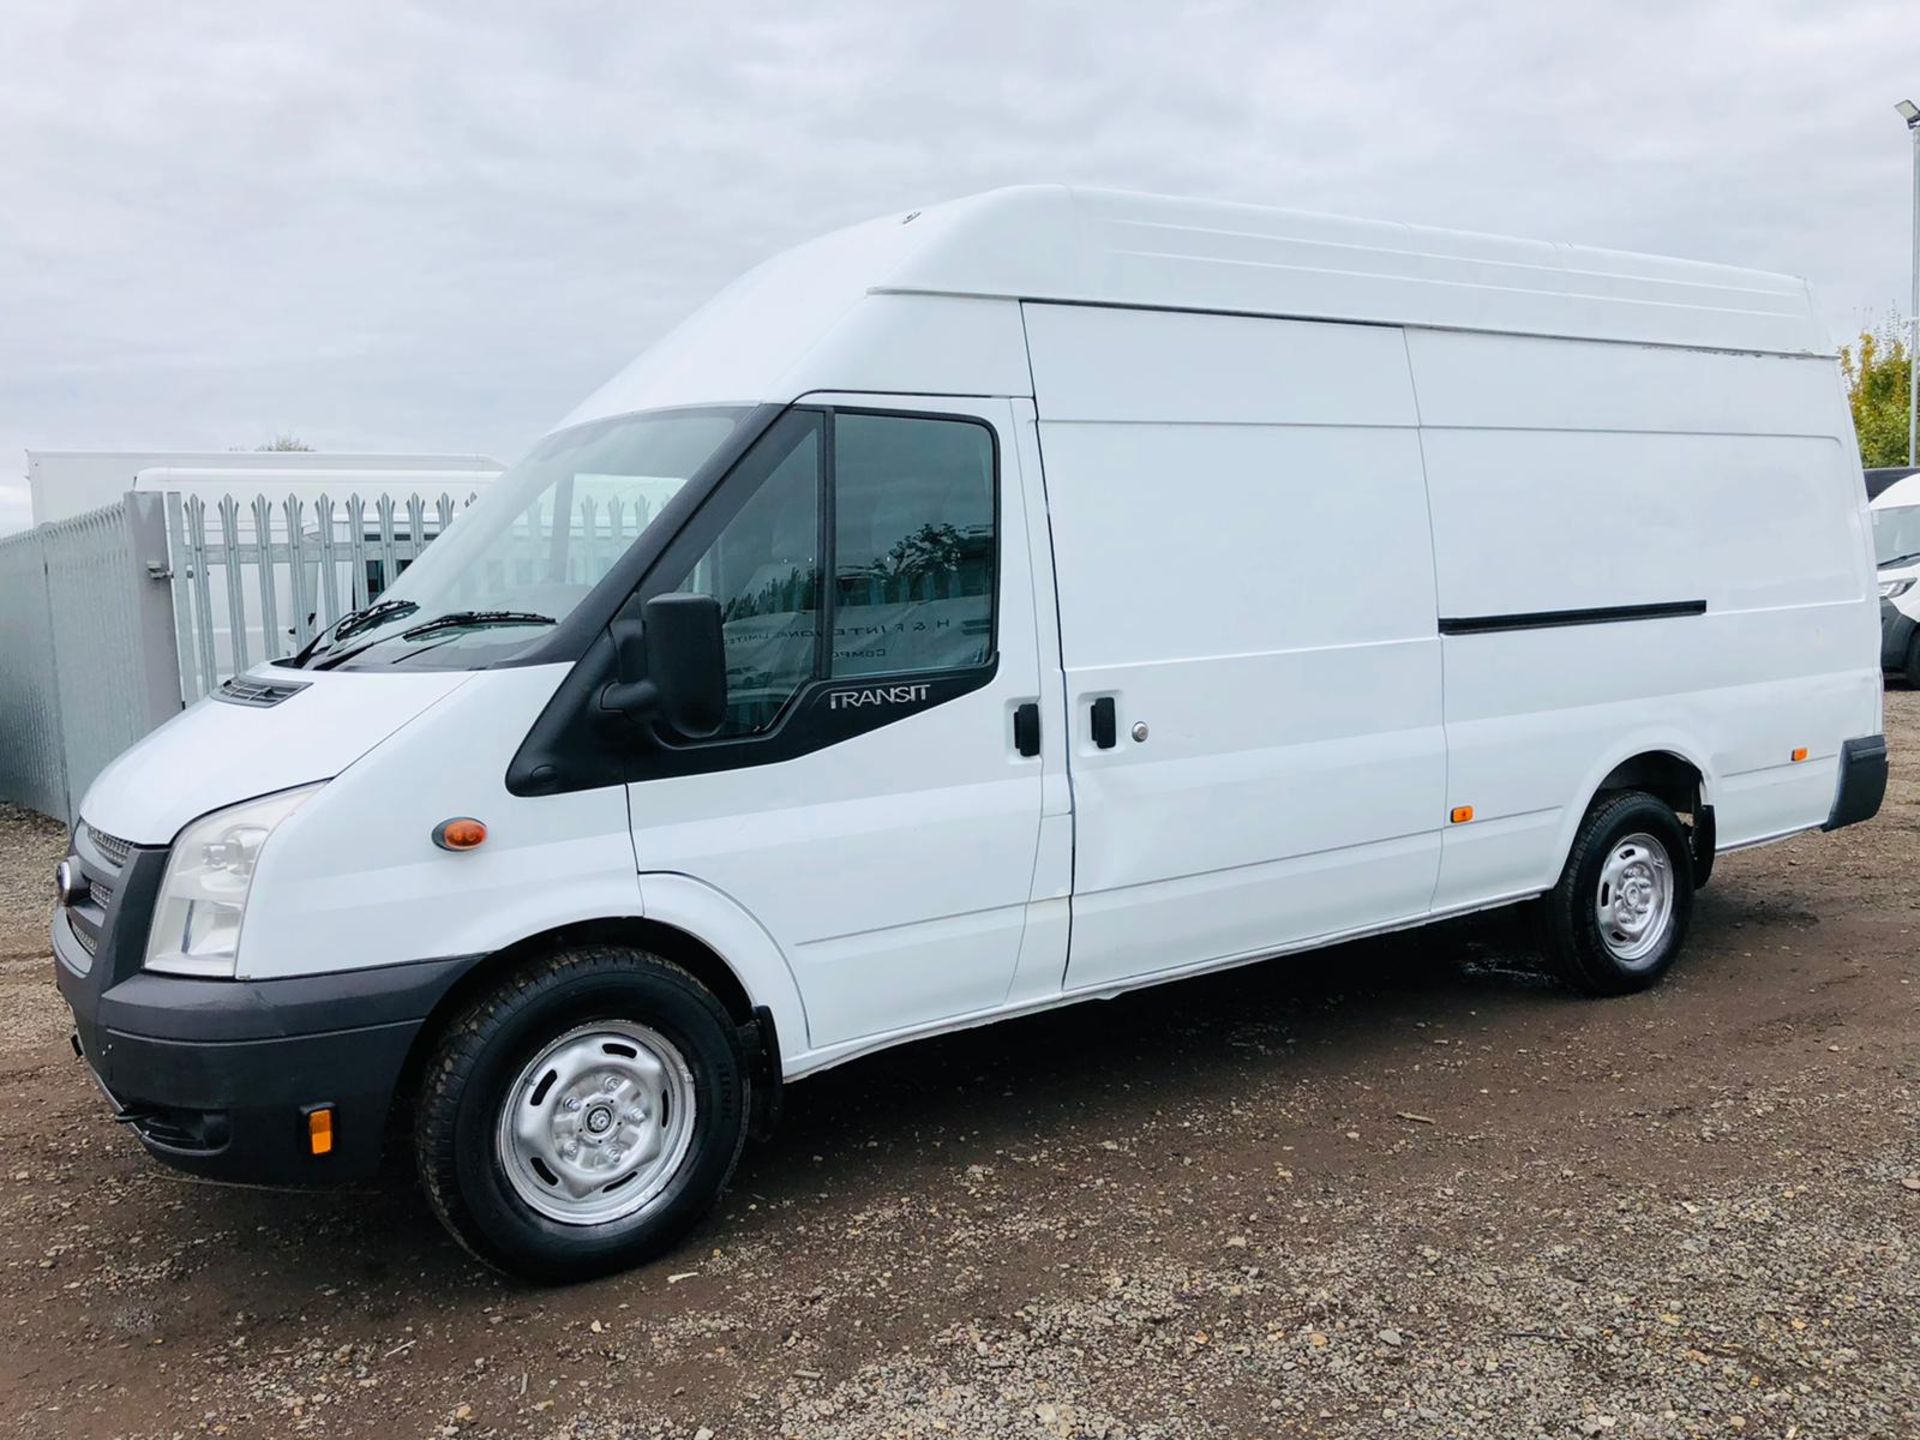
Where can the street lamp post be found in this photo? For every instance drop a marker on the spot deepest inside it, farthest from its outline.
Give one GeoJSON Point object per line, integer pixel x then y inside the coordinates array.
{"type": "Point", "coordinates": [1910, 113]}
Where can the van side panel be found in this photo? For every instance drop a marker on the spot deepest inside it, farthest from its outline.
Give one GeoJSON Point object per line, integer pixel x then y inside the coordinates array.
{"type": "Point", "coordinates": [1568, 475]}
{"type": "Point", "coordinates": [1244, 566]}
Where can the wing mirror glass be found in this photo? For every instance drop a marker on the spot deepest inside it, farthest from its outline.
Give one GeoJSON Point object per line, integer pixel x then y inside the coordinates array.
{"type": "Point", "coordinates": [672, 664]}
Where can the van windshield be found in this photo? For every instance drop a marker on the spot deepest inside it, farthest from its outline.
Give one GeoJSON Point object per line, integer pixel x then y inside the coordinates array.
{"type": "Point", "coordinates": [1896, 533]}
{"type": "Point", "coordinates": [532, 547]}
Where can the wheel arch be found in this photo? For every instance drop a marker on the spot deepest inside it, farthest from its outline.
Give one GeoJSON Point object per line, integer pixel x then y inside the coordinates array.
{"type": "Point", "coordinates": [701, 930]}
{"type": "Point", "coordinates": [1670, 769]}
{"type": "Point", "coordinates": [1664, 773]}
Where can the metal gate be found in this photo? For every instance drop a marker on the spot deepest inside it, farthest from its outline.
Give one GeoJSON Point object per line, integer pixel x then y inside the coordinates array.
{"type": "Point", "coordinates": [86, 649]}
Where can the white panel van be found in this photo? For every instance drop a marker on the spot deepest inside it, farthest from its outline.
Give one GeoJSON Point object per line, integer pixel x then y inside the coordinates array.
{"type": "Point", "coordinates": [1895, 513]}
{"type": "Point", "coordinates": [1041, 595]}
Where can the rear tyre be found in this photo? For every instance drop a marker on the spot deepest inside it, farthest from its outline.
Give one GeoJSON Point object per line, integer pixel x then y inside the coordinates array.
{"type": "Point", "coordinates": [584, 1116]}
{"type": "Point", "coordinates": [1616, 920]}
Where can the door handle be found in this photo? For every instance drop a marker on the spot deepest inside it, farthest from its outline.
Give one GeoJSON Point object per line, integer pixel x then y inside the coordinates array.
{"type": "Point", "coordinates": [1026, 729]}
{"type": "Point", "coordinates": [1105, 730]}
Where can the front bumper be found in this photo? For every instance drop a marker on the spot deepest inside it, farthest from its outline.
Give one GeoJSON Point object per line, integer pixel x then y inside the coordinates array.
{"type": "Point", "coordinates": [216, 1077]}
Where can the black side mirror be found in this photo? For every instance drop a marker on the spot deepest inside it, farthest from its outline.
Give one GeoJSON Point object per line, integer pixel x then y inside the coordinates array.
{"type": "Point", "coordinates": [673, 665]}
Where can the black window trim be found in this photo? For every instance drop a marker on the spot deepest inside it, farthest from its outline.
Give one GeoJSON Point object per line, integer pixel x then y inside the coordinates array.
{"type": "Point", "coordinates": [570, 747]}
{"type": "Point", "coordinates": [823, 678]}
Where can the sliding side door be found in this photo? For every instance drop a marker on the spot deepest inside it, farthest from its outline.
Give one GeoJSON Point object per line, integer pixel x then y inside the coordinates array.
{"type": "Point", "coordinates": [1247, 627]}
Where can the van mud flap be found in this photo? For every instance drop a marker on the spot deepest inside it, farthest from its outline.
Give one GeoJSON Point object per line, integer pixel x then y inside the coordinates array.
{"type": "Point", "coordinates": [766, 1089]}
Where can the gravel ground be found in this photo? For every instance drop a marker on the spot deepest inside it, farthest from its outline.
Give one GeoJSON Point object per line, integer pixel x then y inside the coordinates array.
{"type": "Point", "coordinates": [1400, 1188]}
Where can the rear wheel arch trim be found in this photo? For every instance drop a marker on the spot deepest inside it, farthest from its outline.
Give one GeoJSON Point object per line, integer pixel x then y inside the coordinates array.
{"type": "Point", "coordinates": [1594, 784]}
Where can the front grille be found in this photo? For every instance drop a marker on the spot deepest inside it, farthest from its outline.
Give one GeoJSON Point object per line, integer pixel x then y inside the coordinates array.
{"type": "Point", "coordinates": [112, 847]}
{"type": "Point", "coordinates": [104, 862]}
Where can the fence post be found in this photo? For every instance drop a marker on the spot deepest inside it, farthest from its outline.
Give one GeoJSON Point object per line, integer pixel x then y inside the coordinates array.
{"type": "Point", "coordinates": [156, 636]}
{"type": "Point", "coordinates": [180, 566]}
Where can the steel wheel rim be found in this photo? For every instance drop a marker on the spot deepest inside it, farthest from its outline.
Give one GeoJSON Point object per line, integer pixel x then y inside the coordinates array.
{"type": "Point", "coordinates": [1634, 900]}
{"type": "Point", "coordinates": [596, 1125]}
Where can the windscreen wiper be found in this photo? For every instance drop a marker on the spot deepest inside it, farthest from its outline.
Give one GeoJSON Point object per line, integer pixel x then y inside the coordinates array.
{"type": "Point", "coordinates": [352, 623]}
{"type": "Point", "coordinates": [1897, 560]}
{"type": "Point", "coordinates": [475, 620]}
{"type": "Point", "coordinates": [372, 615]}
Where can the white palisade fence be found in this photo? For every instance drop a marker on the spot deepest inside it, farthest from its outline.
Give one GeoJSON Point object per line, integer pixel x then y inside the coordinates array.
{"type": "Point", "coordinates": [256, 580]}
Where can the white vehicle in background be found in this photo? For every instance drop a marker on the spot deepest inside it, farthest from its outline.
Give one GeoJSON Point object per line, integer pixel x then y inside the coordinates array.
{"type": "Point", "coordinates": [1039, 596]}
{"type": "Point", "coordinates": [1896, 552]}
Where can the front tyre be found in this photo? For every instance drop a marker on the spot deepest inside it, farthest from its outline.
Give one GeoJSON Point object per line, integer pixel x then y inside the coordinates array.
{"type": "Point", "coordinates": [1616, 920]}
{"type": "Point", "coordinates": [582, 1117]}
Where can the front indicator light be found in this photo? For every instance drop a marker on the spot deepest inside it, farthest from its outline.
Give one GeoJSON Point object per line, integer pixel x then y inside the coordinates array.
{"type": "Point", "coordinates": [463, 832]}
{"type": "Point", "coordinates": [1894, 589]}
{"type": "Point", "coordinates": [320, 1130]}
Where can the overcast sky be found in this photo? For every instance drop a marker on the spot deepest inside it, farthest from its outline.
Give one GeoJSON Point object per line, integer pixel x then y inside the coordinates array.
{"type": "Point", "coordinates": [402, 226]}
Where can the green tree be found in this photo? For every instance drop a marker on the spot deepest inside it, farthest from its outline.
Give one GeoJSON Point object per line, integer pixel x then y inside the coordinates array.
{"type": "Point", "coordinates": [1877, 371]}
{"type": "Point", "coordinates": [286, 440]}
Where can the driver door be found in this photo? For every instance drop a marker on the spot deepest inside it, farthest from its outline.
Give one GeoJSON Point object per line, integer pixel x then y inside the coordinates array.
{"type": "Point", "coordinates": [865, 800]}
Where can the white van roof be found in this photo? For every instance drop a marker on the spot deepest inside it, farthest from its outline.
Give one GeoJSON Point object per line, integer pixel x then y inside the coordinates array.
{"type": "Point", "coordinates": [1111, 247]}
{"type": "Point", "coordinates": [784, 327]}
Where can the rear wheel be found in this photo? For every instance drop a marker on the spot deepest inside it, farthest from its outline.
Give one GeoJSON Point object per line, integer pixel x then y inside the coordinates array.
{"type": "Point", "coordinates": [584, 1116]}
{"type": "Point", "coordinates": [1616, 920]}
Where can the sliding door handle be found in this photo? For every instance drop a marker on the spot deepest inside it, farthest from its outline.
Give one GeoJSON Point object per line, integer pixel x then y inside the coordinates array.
{"type": "Point", "coordinates": [1105, 730]}
{"type": "Point", "coordinates": [1026, 729]}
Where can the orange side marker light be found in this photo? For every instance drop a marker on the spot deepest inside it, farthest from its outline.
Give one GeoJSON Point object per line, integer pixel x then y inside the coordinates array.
{"type": "Point", "coordinates": [320, 1130]}
{"type": "Point", "coordinates": [1461, 814]}
{"type": "Point", "coordinates": [463, 832]}
{"type": "Point", "coordinates": [1799, 754]}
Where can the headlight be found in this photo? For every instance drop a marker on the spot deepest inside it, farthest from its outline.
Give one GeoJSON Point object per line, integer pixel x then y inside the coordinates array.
{"type": "Point", "coordinates": [1894, 589]}
{"type": "Point", "coordinates": [196, 925]}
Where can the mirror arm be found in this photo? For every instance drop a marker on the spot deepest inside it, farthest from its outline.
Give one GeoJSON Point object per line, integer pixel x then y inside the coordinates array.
{"type": "Point", "coordinates": [636, 699]}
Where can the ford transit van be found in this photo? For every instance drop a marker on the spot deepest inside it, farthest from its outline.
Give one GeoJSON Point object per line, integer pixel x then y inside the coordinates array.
{"type": "Point", "coordinates": [1023, 600]}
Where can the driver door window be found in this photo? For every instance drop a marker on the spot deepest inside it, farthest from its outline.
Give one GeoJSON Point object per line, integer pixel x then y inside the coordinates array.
{"type": "Point", "coordinates": [912, 548]}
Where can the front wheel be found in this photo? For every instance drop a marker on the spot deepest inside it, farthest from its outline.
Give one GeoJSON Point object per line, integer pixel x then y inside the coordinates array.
{"type": "Point", "coordinates": [1617, 918]}
{"type": "Point", "coordinates": [582, 1117]}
